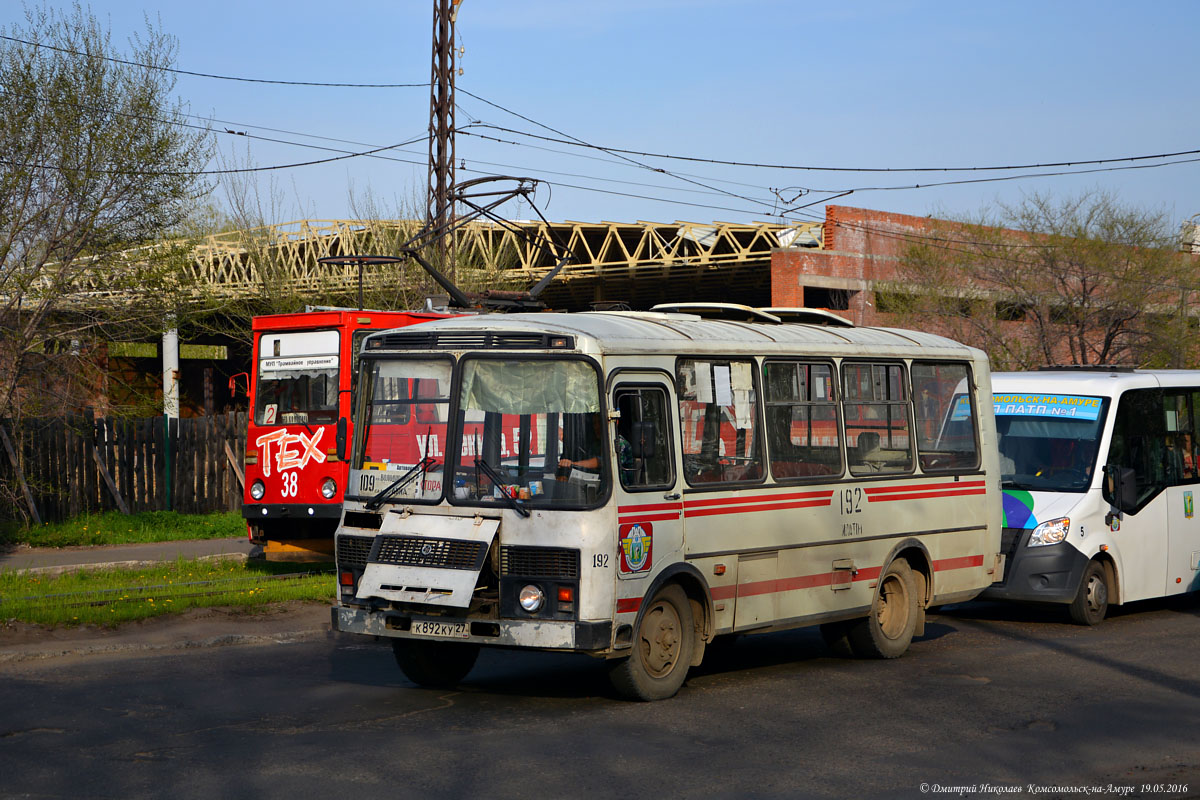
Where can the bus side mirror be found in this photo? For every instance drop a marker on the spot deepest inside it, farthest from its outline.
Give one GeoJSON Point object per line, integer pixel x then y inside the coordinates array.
{"type": "Point", "coordinates": [1120, 487]}
{"type": "Point", "coordinates": [340, 438]}
{"type": "Point", "coordinates": [643, 440]}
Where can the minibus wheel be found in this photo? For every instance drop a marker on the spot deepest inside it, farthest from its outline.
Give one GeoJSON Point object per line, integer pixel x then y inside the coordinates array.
{"type": "Point", "coordinates": [437, 665]}
{"type": "Point", "coordinates": [1091, 601]}
{"type": "Point", "coordinates": [888, 630]}
{"type": "Point", "coordinates": [662, 649]}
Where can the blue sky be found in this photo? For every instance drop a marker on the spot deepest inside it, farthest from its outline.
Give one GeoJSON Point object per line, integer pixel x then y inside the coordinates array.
{"type": "Point", "coordinates": [848, 84]}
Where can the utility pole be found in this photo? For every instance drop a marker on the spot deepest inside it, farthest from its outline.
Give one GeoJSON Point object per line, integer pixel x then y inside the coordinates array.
{"type": "Point", "coordinates": [439, 209]}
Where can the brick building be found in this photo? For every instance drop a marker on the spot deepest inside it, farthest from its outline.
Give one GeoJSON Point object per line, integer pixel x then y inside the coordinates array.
{"type": "Point", "coordinates": [861, 248]}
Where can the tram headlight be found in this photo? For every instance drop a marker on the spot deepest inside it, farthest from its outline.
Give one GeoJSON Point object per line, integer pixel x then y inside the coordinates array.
{"type": "Point", "coordinates": [531, 598]}
{"type": "Point", "coordinates": [1051, 531]}
{"type": "Point", "coordinates": [329, 488]}
{"type": "Point", "coordinates": [257, 490]}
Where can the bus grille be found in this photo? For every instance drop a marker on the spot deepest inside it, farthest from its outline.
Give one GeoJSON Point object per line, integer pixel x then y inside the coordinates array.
{"type": "Point", "coordinates": [352, 551]}
{"type": "Point", "coordinates": [540, 562]}
{"type": "Point", "coordinates": [419, 551]}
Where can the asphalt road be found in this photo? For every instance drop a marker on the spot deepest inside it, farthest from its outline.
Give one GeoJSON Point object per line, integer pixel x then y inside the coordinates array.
{"type": "Point", "coordinates": [992, 697]}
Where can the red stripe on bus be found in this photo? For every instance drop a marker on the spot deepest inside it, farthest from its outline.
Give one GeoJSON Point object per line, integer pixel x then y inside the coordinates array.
{"type": "Point", "coordinates": [649, 507]}
{"type": "Point", "coordinates": [629, 605]}
{"type": "Point", "coordinates": [774, 585]}
{"type": "Point", "coordinates": [674, 515]}
{"type": "Point", "coordinates": [916, 487]}
{"type": "Point", "coordinates": [724, 592]}
{"type": "Point", "coordinates": [964, 562]}
{"type": "Point", "coordinates": [759, 498]}
{"type": "Point", "coordinates": [708, 512]}
{"type": "Point", "coordinates": [919, 495]}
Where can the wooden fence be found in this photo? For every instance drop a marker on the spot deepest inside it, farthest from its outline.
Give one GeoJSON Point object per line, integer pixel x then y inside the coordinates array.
{"type": "Point", "coordinates": [64, 467]}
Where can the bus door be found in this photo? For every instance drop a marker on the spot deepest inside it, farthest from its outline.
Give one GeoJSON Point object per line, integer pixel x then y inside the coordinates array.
{"type": "Point", "coordinates": [1139, 442]}
{"type": "Point", "coordinates": [1180, 408]}
{"type": "Point", "coordinates": [646, 490]}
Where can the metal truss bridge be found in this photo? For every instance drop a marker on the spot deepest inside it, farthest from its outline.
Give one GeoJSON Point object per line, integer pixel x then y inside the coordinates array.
{"type": "Point", "coordinates": [639, 263]}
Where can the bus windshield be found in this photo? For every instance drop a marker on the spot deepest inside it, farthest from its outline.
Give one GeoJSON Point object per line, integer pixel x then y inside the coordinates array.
{"type": "Point", "coordinates": [1048, 443]}
{"type": "Point", "coordinates": [400, 436]}
{"type": "Point", "coordinates": [531, 433]}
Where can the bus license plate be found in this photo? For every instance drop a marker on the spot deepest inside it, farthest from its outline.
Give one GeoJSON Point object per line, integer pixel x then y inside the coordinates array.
{"type": "Point", "coordinates": [440, 630]}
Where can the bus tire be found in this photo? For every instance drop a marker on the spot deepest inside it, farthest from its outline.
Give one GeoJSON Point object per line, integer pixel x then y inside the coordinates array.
{"type": "Point", "coordinates": [837, 637]}
{"type": "Point", "coordinates": [888, 630]}
{"type": "Point", "coordinates": [662, 649]}
{"type": "Point", "coordinates": [1091, 601]}
{"type": "Point", "coordinates": [435, 665]}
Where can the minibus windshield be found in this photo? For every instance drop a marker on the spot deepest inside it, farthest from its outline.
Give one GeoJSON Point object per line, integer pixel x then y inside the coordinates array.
{"type": "Point", "coordinates": [531, 431]}
{"type": "Point", "coordinates": [1048, 443]}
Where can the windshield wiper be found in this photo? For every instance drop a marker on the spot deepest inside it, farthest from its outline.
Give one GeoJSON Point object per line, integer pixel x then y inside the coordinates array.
{"type": "Point", "coordinates": [398, 484]}
{"type": "Point", "coordinates": [495, 478]}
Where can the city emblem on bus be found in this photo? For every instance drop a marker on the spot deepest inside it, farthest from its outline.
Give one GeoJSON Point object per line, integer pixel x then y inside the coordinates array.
{"type": "Point", "coordinates": [636, 543]}
{"type": "Point", "coordinates": [1189, 509]}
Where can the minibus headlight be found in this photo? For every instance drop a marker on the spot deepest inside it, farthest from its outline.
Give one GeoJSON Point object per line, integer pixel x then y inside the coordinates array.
{"type": "Point", "coordinates": [531, 598]}
{"type": "Point", "coordinates": [1051, 531]}
{"type": "Point", "coordinates": [257, 490]}
{"type": "Point", "coordinates": [328, 488]}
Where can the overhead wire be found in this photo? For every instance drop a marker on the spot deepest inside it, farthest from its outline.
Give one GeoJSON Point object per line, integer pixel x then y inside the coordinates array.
{"type": "Point", "coordinates": [619, 153]}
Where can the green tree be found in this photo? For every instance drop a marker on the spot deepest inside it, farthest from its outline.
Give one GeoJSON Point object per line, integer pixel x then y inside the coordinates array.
{"type": "Point", "coordinates": [99, 166]}
{"type": "Point", "coordinates": [1082, 280]}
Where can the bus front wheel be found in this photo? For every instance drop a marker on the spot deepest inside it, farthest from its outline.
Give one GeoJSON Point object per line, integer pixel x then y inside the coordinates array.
{"type": "Point", "coordinates": [436, 665]}
{"type": "Point", "coordinates": [662, 649]}
{"type": "Point", "coordinates": [1091, 601]}
{"type": "Point", "coordinates": [889, 629]}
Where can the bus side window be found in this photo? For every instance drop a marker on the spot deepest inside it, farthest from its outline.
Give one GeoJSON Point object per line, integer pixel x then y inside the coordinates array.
{"type": "Point", "coordinates": [1180, 439]}
{"type": "Point", "coordinates": [1139, 441]}
{"type": "Point", "coordinates": [718, 412]}
{"type": "Point", "coordinates": [945, 416]}
{"type": "Point", "coordinates": [642, 443]}
{"type": "Point", "coordinates": [877, 418]}
{"type": "Point", "coordinates": [803, 440]}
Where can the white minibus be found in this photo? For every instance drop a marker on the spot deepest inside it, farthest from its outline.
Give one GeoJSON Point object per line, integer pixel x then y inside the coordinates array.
{"type": "Point", "coordinates": [631, 485]}
{"type": "Point", "coordinates": [1100, 471]}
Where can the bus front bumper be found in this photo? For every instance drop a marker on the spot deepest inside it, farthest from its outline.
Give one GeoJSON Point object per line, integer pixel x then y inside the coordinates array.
{"type": "Point", "coordinates": [537, 634]}
{"type": "Point", "coordinates": [1048, 574]}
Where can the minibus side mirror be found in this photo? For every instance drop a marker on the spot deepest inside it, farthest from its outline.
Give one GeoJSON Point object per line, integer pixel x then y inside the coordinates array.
{"type": "Point", "coordinates": [340, 438]}
{"type": "Point", "coordinates": [643, 440]}
{"type": "Point", "coordinates": [1120, 487]}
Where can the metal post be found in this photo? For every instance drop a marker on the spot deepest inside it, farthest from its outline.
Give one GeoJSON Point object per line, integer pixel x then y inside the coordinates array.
{"type": "Point", "coordinates": [439, 211]}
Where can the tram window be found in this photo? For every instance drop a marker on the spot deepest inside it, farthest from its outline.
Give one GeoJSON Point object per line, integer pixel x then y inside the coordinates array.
{"type": "Point", "coordinates": [877, 418]}
{"type": "Point", "coordinates": [802, 426]}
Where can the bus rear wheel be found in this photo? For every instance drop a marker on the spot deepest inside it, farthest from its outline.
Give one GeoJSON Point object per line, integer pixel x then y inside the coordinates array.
{"type": "Point", "coordinates": [1091, 601]}
{"type": "Point", "coordinates": [435, 665]}
{"type": "Point", "coordinates": [888, 630]}
{"type": "Point", "coordinates": [662, 649]}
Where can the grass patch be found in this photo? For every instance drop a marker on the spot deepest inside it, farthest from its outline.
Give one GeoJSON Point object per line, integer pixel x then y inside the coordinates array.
{"type": "Point", "coordinates": [112, 596]}
{"type": "Point", "coordinates": [116, 528]}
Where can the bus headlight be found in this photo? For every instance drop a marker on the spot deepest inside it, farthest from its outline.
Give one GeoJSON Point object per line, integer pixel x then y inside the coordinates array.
{"type": "Point", "coordinates": [531, 598]}
{"type": "Point", "coordinates": [328, 488]}
{"type": "Point", "coordinates": [1051, 531]}
{"type": "Point", "coordinates": [257, 490]}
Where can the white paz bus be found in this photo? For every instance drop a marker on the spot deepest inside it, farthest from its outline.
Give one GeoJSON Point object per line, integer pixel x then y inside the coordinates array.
{"type": "Point", "coordinates": [631, 485]}
{"type": "Point", "coordinates": [1100, 475]}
